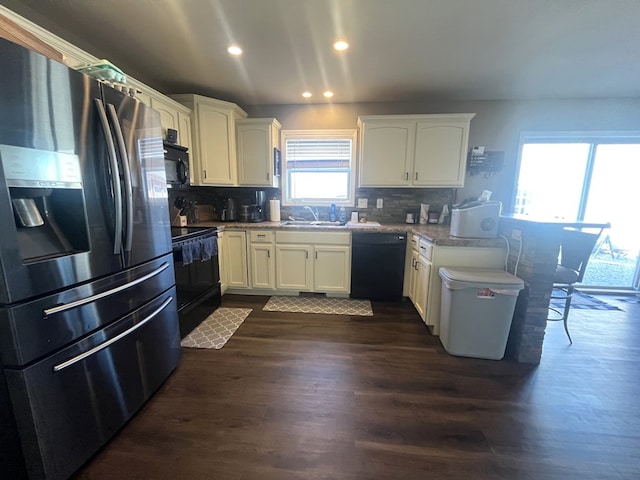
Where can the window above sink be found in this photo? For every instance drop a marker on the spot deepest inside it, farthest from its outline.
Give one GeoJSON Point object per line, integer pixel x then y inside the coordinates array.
{"type": "Point", "coordinates": [319, 167]}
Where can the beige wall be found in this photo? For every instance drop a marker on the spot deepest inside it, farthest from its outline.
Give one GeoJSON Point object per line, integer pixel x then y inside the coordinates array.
{"type": "Point", "coordinates": [497, 125]}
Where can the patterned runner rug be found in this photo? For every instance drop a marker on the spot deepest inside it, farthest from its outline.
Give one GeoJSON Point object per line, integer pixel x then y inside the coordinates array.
{"type": "Point", "coordinates": [330, 305]}
{"type": "Point", "coordinates": [216, 329]}
{"type": "Point", "coordinates": [582, 301]}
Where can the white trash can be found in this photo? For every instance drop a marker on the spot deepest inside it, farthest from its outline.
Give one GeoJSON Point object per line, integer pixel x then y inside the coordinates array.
{"type": "Point", "coordinates": [476, 310]}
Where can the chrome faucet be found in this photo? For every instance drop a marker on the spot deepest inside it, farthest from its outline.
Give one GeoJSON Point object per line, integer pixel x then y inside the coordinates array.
{"type": "Point", "coordinates": [313, 212]}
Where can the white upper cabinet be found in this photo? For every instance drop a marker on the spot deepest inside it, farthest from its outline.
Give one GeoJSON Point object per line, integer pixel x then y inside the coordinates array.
{"type": "Point", "coordinates": [386, 153]}
{"type": "Point", "coordinates": [413, 150]}
{"type": "Point", "coordinates": [214, 160]}
{"type": "Point", "coordinates": [257, 138]}
{"type": "Point", "coordinates": [174, 116]}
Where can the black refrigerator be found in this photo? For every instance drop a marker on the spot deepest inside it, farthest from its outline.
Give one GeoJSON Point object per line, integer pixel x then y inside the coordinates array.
{"type": "Point", "coordinates": [88, 316]}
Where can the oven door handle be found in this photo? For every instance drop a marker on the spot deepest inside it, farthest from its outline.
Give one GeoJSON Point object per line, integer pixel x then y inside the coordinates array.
{"type": "Point", "coordinates": [102, 346]}
{"type": "Point", "coordinates": [106, 293]}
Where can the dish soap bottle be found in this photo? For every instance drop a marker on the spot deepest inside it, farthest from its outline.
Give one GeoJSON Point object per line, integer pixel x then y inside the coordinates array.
{"type": "Point", "coordinates": [343, 216]}
{"type": "Point", "coordinates": [332, 213]}
{"type": "Point", "coordinates": [444, 215]}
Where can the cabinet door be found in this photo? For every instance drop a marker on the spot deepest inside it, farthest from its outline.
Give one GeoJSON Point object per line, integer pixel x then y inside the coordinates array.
{"type": "Point", "coordinates": [386, 153]}
{"type": "Point", "coordinates": [216, 146]}
{"type": "Point", "coordinates": [332, 268]}
{"type": "Point", "coordinates": [223, 261]}
{"type": "Point", "coordinates": [144, 98]}
{"type": "Point", "coordinates": [422, 286]}
{"type": "Point", "coordinates": [294, 267]}
{"type": "Point", "coordinates": [254, 155]}
{"type": "Point", "coordinates": [236, 253]}
{"type": "Point", "coordinates": [184, 130]}
{"type": "Point", "coordinates": [413, 280]}
{"type": "Point", "coordinates": [440, 154]}
{"type": "Point", "coordinates": [168, 116]}
{"type": "Point", "coordinates": [262, 266]}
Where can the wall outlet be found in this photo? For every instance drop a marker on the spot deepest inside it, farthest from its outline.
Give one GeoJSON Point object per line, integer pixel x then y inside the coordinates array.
{"type": "Point", "coordinates": [379, 203]}
{"type": "Point", "coordinates": [363, 202]}
{"type": "Point", "coordinates": [516, 234]}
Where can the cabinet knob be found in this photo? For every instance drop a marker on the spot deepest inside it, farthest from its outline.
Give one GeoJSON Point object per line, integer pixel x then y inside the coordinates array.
{"type": "Point", "coordinates": [416, 175]}
{"type": "Point", "coordinates": [205, 173]}
{"type": "Point", "coordinates": [406, 176]}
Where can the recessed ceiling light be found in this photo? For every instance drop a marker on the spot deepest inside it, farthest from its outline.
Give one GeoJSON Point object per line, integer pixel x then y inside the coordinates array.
{"type": "Point", "coordinates": [341, 45]}
{"type": "Point", "coordinates": [328, 94]}
{"type": "Point", "coordinates": [234, 50]}
{"type": "Point", "coordinates": [307, 94]}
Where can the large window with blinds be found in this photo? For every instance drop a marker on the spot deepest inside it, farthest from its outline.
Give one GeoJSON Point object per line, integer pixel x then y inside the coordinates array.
{"type": "Point", "coordinates": [319, 167]}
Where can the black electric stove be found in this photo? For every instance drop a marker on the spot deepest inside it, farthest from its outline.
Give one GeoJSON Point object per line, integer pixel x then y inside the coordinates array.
{"type": "Point", "coordinates": [197, 281]}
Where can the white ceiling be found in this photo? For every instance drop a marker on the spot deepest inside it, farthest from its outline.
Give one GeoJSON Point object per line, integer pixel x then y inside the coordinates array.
{"type": "Point", "coordinates": [401, 50]}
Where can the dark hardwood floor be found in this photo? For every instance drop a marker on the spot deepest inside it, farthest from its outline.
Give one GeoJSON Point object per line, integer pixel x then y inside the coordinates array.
{"type": "Point", "coordinates": [301, 396]}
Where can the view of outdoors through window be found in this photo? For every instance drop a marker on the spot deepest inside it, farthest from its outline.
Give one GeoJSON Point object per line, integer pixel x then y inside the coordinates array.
{"type": "Point", "coordinates": [592, 182]}
{"type": "Point", "coordinates": [315, 184]}
{"type": "Point", "coordinates": [318, 167]}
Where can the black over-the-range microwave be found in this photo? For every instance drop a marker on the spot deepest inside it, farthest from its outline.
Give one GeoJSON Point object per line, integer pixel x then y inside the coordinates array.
{"type": "Point", "coordinates": [176, 165]}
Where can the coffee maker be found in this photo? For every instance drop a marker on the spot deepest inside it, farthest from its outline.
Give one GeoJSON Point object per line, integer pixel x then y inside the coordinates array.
{"type": "Point", "coordinates": [257, 209]}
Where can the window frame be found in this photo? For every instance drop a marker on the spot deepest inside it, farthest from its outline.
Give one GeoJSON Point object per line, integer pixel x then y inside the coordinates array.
{"type": "Point", "coordinates": [350, 134]}
{"type": "Point", "coordinates": [593, 138]}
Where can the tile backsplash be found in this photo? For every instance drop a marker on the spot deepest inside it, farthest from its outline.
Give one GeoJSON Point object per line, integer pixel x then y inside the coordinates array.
{"type": "Point", "coordinates": [396, 201]}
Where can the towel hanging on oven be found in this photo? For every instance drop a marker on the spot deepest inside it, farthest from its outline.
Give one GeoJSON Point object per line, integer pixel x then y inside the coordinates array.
{"type": "Point", "coordinates": [201, 249]}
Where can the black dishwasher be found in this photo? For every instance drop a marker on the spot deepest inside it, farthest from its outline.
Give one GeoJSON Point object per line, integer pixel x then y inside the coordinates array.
{"type": "Point", "coordinates": [377, 265]}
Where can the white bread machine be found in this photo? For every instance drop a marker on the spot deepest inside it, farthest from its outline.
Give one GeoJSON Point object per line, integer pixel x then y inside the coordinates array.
{"type": "Point", "coordinates": [476, 220]}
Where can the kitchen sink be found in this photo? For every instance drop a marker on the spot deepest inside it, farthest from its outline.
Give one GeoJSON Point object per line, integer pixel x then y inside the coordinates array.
{"type": "Point", "coordinates": [311, 223]}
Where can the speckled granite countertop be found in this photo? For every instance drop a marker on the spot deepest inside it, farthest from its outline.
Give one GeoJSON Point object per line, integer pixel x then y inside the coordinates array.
{"type": "Point", "coordinates": [437, 234]}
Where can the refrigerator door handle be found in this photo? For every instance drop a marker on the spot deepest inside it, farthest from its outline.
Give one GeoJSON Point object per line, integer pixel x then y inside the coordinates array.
{"type": "Point", "coordinates": [115, 172]}
{"type": "Point", "coordinates": [106, 293]}
{"type": "Point", "coordinates": [128, 191]}
{"type": "Point", "coordinates": [102, 346]}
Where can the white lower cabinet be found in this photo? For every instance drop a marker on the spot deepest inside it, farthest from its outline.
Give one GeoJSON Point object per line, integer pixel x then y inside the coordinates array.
{"type": "Point", "coordinates": [223, 262]}
{"type": "Point", "coordinates": [235, 259]}
{"type": "Point", "coordinates": [262, 264]}
{"type": "Point", "coordinates": [425, 284]}
{"type": "Point", "coordinates": [419, 279]}
{"type": "Point", "coordinates": [294, 268]}
{"type": "Point", "coordinates": [423, 270]}
{"type": "Point", "coordinates": [332, 268]}
{"type": "Point", "coordinates": [313, 261]}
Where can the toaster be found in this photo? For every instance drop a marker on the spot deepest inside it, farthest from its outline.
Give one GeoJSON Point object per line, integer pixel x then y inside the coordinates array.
{"type": "Point", "coordinates": [476, 220]}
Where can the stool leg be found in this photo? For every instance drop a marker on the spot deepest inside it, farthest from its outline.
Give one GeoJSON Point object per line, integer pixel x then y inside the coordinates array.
{"type": "Point", "coordinates": [565, 316]}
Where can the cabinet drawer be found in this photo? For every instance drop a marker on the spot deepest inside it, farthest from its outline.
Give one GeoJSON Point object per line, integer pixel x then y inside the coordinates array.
{"type": "Point", "coordinates": [261, 236]}
{"type": "Point", "coordinates": [314, 238]}
{"type": "Point", "coordinates": [415, 242]}
{"type": "Point", "coordinates": [426, 248]}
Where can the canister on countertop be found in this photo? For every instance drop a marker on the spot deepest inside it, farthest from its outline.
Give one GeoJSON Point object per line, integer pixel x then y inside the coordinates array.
{"type": "Point", "coordinates": [244, 213]}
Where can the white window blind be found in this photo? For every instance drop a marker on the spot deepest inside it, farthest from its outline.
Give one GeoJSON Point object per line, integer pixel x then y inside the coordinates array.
{"type": "Point", "coordinates": [319, 153]}
{"type": "Point", "coordinates": [318, 167]}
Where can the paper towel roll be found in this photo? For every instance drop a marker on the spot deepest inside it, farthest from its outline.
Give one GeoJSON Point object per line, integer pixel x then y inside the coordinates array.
{"type": "Point", "coordinates": [274, 210]}
{"type": "Point", "coordinates": [424, 213]}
